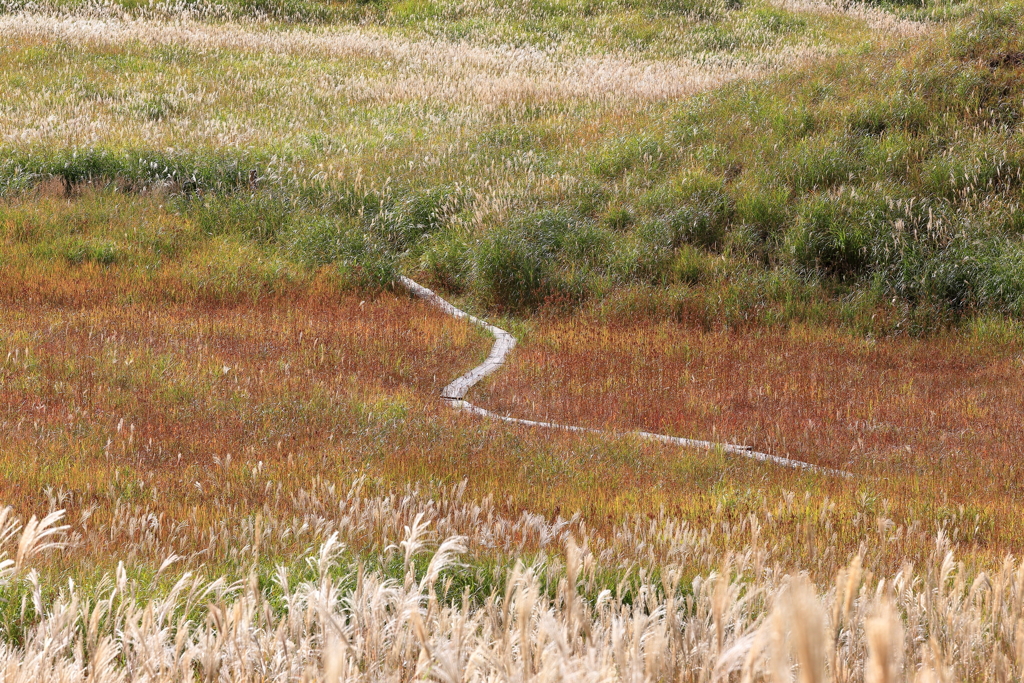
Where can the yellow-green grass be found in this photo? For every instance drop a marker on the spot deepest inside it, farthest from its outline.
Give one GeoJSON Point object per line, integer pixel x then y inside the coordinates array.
{"type": "Point", "coordinates": [523, 176]}
{"type": "Point", "coordinates": [382, 103]}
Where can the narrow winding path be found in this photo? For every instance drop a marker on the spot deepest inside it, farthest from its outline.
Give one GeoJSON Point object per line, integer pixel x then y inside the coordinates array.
{"type": "Point", "coordinates": [455, 393]}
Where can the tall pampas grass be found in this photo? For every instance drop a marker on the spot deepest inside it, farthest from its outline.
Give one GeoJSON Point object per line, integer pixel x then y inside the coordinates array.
{"type": "Point", "coordinates": [542, 621]}
{"type": "Point", "coordinates": [35, 537]}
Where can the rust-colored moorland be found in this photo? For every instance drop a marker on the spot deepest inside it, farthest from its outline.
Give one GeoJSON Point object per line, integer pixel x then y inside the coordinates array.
{"type": "Point", "coordinates": [818, 395]}
{"type": "Point", "coordinates": [200, 413]}
{"type": "Point", "coordinates": [945, 412]}
{"type": "Point", "coordinates": [108, 406]}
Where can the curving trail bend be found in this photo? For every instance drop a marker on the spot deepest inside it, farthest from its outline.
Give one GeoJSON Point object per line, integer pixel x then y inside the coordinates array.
{"type": "Point", "coordinates": [455, 393]}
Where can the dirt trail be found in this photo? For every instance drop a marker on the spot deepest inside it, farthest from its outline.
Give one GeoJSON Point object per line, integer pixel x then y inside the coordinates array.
{"type": "Point", "coordinates": [455, 393]}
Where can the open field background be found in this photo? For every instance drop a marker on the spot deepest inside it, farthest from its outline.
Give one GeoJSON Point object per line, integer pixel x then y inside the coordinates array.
{"type": "Point", "coordinates": [795, 225]}
{"type": "Point", "coordinates": [543, 159]}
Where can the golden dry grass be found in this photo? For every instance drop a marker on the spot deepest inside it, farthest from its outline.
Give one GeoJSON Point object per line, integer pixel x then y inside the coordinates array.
{"type": "Point", "coordinates": [554, 619]}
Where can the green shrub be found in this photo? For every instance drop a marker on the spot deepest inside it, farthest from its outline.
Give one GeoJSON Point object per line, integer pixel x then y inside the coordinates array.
{"type": "Point", "coordinates": [447, 259]}
{"type": "Point", "coordinates": [14, 178]}
{"type": "Point", "coordinates": [625, 154]}
{"type": "Point", "coordinates": [899, 112]}
{"type": "Point", "coordinates": [320, 240]}
{"type": "Point", "coordinates": [992, 36]}
{"type": "Point", "coordinates": [585, 244]}
{"type": "Point", "coordinates": [981, 167]}
{"type": "Point", "coordinates": [697, 9]}
{"type": "Point", "coordinates": [643, 257]}
{"type": "Point", "coordinates": [618, 218]}
{"type": "Point", "coordinates": [827, 238]}
{"type": "Point", "coordinates": [401, 223]}
{"type": "Point", "coordinates": [77, 250]}
{"type": "Point", "coordinates": [765, 210]}
{"type": "Point", "coordinates": [371, 269]}
{"type": "Point", "coordinates": [820, 162]}
{"type": "Point", "coordinates": [513, 270]}
{"type": "Point", "coordinates": [688, 266]}
{"type": "Point", "coordinates": [588, 197]}
{"type": "Point", "coordinates": [694, 208]}
{"type": "Point", "coordinates": [893, 157]}
{"type": "Point", "coordinates": [230, 268]}
{"type": "Point", "coordinates": [516, 135]}
{"type": "Point", "coordinates": [793, 123]}
{"type": "Point", "coordinates": [744, 240]}
{"type": "Point", "coordinates": [1002, 279]}
{"type": "Point", "coordinates": [772, 22]}
{"type": "Point", "coordinates": [715, 38]}
{"type": "Point", "coordinates": [192, 171]}
{"type": "Point", "coordinates": [701, 224]}
{"type": "Point", "coordinates": [550, 255]}
{"type": "Point", "coordinates": [342, 199]}
{"type": "Point", "coordinates": [955, 275]}
{"type": "Point", "coordinates": [291, 11]}
{"type": "Point", "coordinates": [261, 216]}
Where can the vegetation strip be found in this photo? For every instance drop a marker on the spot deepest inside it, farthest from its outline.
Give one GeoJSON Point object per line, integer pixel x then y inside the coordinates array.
{"type": "Point", "coordinates": [504, 342]}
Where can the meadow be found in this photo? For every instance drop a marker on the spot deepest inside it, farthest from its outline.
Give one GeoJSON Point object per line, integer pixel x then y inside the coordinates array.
{"type": "Point", "coordinates": [793, 225]}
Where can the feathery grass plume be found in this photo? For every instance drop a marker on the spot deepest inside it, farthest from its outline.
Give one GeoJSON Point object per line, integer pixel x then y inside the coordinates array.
{"type": "Point", "coordinates": [810, 643]}
{"type": "Point", "coordinates": [788, 635]}
{"type": "Point", "coordinates": [769, 627]}
{"type": "Point", "coordinates": [848, 581]}
{"type": "Point", "coordinates": [934, 669]}
{"type": "Point", "coordinates": [9, 526]}
{"type": "Point", "coordinates": [884, 633]}
{"type": "Point", "coordinates": [40, 535]}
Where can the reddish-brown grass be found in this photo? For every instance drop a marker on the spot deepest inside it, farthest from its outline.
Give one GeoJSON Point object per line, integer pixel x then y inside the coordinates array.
{"type": "Point", "coordinates": [940, 416]}
{"type": "Point", "coordinates": [108, 404]}
{"type": "Point", "coordinates": [202, 414]}
{"type": "Point", "coordinates": [822, 396]}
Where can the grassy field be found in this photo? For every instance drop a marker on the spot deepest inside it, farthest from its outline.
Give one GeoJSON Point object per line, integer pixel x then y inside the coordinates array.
{"type": "Point", "coordinates": [205, 453]}
{"type": "Point", "coordinates": [793, 225]}
{"type": "Point", "coordinates": [945, 409]}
